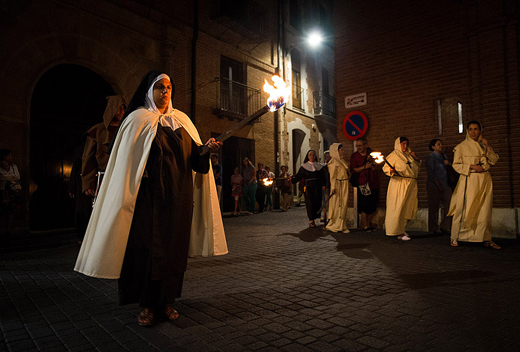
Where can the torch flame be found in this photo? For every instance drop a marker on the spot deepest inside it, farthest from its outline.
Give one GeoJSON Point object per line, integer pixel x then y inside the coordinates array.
{"type": "Point", "coordinates": [267, 182]}
{"type": "Point", "coordinates": [278, 95]}
{"type": "Point", "coordinates": [378, 157]}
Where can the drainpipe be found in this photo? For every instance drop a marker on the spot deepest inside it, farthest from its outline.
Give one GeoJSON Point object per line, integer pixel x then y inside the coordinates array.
{"type": "Point", "coordinates": [194, 59]}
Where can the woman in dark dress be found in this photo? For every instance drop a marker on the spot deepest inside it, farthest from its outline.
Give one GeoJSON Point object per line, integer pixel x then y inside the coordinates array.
{"type": "Point", "coordinates": [157, 250]}
{"type": "Point", "coordinates": [313, 174]}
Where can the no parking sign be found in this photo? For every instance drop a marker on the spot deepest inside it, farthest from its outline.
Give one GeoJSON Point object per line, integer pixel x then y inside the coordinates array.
{"type": "Point", "coordinates": [355, 125]}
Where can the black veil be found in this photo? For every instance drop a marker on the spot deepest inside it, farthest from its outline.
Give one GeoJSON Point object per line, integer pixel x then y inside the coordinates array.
{"type": "Point", "coordinates": [139, 97]}
{"type": "Point", "coordinates": [140, 93]}
{"type": "Point", "coordinates": [307, 156]}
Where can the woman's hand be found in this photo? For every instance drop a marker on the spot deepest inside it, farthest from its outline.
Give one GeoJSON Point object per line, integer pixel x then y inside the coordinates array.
{"type": "Point", "coordinates": [333, 192]}
{"type": "Point", "coordinates": [414, 156]}
{"type": "Point", "coordinates": [213, 145]}
{"type": "Point", "coordinates": [476, 168]}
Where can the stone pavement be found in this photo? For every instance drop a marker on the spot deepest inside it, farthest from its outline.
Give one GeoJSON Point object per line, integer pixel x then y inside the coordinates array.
{"type": "Point", "coordinates": [282, 287]}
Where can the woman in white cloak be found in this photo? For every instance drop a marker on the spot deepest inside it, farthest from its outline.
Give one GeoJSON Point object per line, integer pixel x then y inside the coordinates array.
{"type": "Point", "coordinates": [472, 200]}
{"type": "Point", "coordinates": [155, 184]}
{"type": "Point", "coordinates": [339, 176]}
{"type": "Point", "coordinates": [401, 197]}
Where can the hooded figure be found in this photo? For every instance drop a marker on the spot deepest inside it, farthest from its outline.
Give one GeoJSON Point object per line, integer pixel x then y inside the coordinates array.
{"type": "Point", "coordinates": [314, 175]}
{"type": "Point", "coordinates": [472, 200]}
{"type": "Point", "coordinates": [140, 226]}
{"type": "Point", "coordinates": [99, 137]}
{"type": "Point", "coordinates": [338, 204]}
{"type": "Point", "coordinates": [401, 197]}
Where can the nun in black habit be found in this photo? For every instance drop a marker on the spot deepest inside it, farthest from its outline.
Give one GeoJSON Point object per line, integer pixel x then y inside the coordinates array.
{"type": "Point", "coordinates": [314, 175]}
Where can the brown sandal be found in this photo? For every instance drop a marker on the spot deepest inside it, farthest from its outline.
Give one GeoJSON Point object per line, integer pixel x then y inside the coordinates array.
{"type": "Point", "coordinates": [170, 313]}
{"type": "Point", "coordinates": [453, 242]}
{"type": "Point", "coordinates": [145, 318]}
{"type": "Point", "coordinates": [312, 224]}
{"type": "Point", "coordinates": [492, 244]}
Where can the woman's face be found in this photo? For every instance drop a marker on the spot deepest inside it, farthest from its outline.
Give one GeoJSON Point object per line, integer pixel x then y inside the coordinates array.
{"type": "Point", "coordinates": [404, 146]}
{"type": "Point", "coordinates": [438, 147]}
{"type": "Point", "coordinates": [162, 93]}
{"type": "Point", "coordinates": [474, 131]}
{"type": "Point", "coordinates": [312, 156]}
{"type": "Point", "coordinates": [343, 152]}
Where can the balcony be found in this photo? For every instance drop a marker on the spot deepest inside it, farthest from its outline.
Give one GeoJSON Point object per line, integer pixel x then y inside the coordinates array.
{"type": "Point", "coordinates": [235, 100]}
{"type": "Point", "coordinates": [324, 105]}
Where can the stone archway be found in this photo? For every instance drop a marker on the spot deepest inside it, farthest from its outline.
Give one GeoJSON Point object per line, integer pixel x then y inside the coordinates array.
{"type": "Point", "coordinates": [67, 100]}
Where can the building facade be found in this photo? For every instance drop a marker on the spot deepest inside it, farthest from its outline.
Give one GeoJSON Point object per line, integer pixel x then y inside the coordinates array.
{"type": "Point", "coordinates": [428, 68]}
{"type": "Point", "coordinates": [64, 57]}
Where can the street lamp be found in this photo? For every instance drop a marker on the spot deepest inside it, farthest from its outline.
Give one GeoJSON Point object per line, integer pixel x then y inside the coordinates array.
{"type": "Point", "coordinates": [314, 39]}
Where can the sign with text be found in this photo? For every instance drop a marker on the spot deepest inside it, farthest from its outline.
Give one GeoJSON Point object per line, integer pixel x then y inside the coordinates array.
{"type": "Point", "coordinates": [355, 125]}
{"type": "Point", "coordinates": [355, 100]}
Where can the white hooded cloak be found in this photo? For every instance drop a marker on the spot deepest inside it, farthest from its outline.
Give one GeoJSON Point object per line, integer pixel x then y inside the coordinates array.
{"type": "Point", "coordinates": [401, 197]}
{"type": "Point", "coordinates": [103, 248]}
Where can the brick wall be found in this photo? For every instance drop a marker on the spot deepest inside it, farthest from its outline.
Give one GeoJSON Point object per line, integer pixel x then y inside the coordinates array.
{"type": "Point", "coordinates": [408, 55]}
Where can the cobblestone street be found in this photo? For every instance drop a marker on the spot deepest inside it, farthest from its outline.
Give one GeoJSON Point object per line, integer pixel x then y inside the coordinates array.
{"type": "Point", "coordinates": [282, 287]}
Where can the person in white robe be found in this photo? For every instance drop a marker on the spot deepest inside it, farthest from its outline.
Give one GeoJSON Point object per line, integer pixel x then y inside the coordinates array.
{"type": "Point", "coordinates": [402, 165]}
{"type": "Point", "coordinates": [149, 175]}
{"type": "Point", "coordinates": [338, 201]}
{"type": "Point", "coordinates": [472, 200]}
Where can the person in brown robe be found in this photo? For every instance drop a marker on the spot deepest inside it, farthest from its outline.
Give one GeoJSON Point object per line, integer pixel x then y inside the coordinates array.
{"type": "Point", "coordinates": [99, 137]}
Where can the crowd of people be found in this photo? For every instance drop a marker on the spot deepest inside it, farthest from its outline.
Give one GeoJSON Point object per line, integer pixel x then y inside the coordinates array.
{"type": "Point", "coordinates": [460, 192]}
{"type": "Point", "coordinates": [154, 198]}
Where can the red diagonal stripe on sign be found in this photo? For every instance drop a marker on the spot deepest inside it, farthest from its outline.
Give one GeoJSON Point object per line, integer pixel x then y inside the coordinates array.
{"type": "Point", "coordinates": [352, 123]}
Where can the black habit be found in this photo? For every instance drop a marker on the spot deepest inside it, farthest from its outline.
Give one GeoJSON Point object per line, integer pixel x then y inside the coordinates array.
{"type": "Point", "coordinates": [314, 181]}
{"type": "Point", "coordinates": [157, 251]}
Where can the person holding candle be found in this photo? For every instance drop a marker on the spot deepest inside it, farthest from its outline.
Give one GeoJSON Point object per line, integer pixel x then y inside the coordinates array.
{"type": "Point", "coordinates": [152, 209]}
{"type": "Point", "coordinates": [261, 188]}
{"type": "Point", "coordinates": [367, 170]}
{"type": "Point", "coordinates": [285, 186]}
{"type": "Point", "coordinates": [472, 199]}
{"type": "Point", "coordinates": [312, 172]}
{"type": "Point", "coordinates": [401, 199]}
{"type": "Point", "coordinates": [339, 176]}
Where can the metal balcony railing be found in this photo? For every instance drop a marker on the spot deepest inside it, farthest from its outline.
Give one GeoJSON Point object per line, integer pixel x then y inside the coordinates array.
{"type": "Point", "coordinates": [324, 104]}
{"type": "Point", "coordinates": [235, 99]}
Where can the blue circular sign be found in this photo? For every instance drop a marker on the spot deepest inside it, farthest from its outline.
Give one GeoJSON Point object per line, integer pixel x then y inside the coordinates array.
{"type": "Point", "coordinates": [355, 125]}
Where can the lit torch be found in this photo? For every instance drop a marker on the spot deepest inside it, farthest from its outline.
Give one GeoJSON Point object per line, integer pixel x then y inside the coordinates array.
{"type": "Point", "coordinates": [267, 181]}
{"type": "Point", "coordinates": [278, 96]}
{"type": "Point", "coordinates": [378, 157]}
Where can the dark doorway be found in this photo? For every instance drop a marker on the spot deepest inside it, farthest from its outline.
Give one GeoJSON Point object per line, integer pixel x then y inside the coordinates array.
{"type": "Point", "coordinates": [234, 150]}
{"type": "Point", "coordinates": [66, 102]}
{"type": "Point", "coordinates": [298, 136]}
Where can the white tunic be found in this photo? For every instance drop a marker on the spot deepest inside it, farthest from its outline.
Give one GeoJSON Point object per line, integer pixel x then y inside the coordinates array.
{"type": "Point", "coordinates": [472, 201]}
{"type": "Point", "coordinates": [338, 204]}
{"type": "Point", "coordinates": [401, 197]}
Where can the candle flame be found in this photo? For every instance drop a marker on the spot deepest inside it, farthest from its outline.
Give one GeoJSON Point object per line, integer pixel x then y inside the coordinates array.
{"type": "Point", "coordinates": [378, 157]}
{"type": "Point", "coordinates": [267, 182]}
{"type": "Point", "coordinates": [278, 94]}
